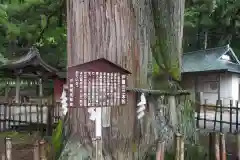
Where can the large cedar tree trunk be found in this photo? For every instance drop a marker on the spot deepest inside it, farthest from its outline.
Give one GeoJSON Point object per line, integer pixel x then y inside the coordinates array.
{"type": "Point", "coordinates": [120, 31]}
{"type": "Point", "coordinates": [117, 30]}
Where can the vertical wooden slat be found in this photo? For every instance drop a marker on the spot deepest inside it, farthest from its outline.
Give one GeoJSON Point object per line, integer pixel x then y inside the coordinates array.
{"type": "Point", "coordinates": [41, 114]}
{"type": "Point", "coordinates": [58, 112]}
{"type": "Point", "coordinates": [237, 146]}
{"type": "Point", "coordinates": [17, 98]}
{"type": "Point", "coordinates": [26, 114]}
{"type": "Point", "coordinates": [42, 150]}
{"type": "Point", "coordinates": [222, 147]}
{"type": "Point", "coordinates": [219, 86]}
{"type": "Point", "coordinates": [8, 148]}
{"type": "Point", "coordinates": [237, 114]}
{"type": "Point", "coordinates": [198, 107]}
{"type": "Point", "coordinates": [216, 111]}
{"type": "Point", "coordinates": [221, 116]}
{"type": "Point", "coordinates": [173, 115]}
{"type": "Point", "coordinates": [19, 114]}
{"type": "Point", "coordinates": [9, 116]}
{"type": "Point", "coordinates": [160, 150]}
{"type": "Point", "coordinates": [37, 109]}
{"type": "Point", "coordinates": [30, 113]}
{"type": "Point", "coordinates": [1, 119]}
{"type": "Point", "coordinates": [99, 148]}
{"type": "Point", "coordinates": [5, 117]}
{"type": "Point", "coordinates": [14, 114]}
{"type": "Point", "coordinates": [36, 155]}
{"type": "Point", "coordinates": [217, 151]}
{"type": "Point", "coordinates": [211, 148]}
{"type": "Point", "coordinates": [49, 119]}
{"type": "Point", "coordinates": [179, 146]}
{"type": "Point", "coordinates": [231, 114]}
{"type": "Point", "coordinates": [205, 114]}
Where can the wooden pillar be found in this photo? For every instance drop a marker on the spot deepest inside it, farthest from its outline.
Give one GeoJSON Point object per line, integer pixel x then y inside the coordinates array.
{"type": "Point", "coordinates": [99, 148]}
{"type": "Point", "coordinates": [160, 150]}
{"type": "Point", "coordinates": [238, 146]}
{"type": "Point", "coordinates": [8, 148]}
{"type": "Point", "coordinates": [6, 91]}
{"type": "Point", "coordinates": [214, 147]}
{"type": "Point", "coordinates": [223, 155]}
{"type": "Point", "coordinates": [217, 147]}
{"type": "Point", "coordinates": [40, 104]}
{"type": "Point", "coordinates": [196, 86]}
{"type": "Point", "coordinates": [173, 112]}
{"type": "Point", "coordinates": [40, 89]}
{"type": "Point", "coordinates": [219, 87]}
{"type": "Point", "coordinates": [42, 150]}
{"type": "Point", "coordinates": [179, 146]}
{"type": "Point", "coordinates": [17, 89]}
{"type": "Point", "coordinates": [36, 155]}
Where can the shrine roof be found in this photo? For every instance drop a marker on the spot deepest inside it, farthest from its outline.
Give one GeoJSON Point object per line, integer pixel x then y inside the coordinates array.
{"type": "Point", "coordinates": [101, 65]}
{"type": "Point", "coordinates": [29, 63]}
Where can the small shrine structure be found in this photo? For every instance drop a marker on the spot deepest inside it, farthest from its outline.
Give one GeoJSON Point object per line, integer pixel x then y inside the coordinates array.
{"type": "Point", "coordinates": [30, 66]}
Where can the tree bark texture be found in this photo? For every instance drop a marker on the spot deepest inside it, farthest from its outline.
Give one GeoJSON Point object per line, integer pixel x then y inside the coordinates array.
{"type": "Point", "coordinates": [118, 30]}
{"type": "Point", "coordinates": [167, 45]}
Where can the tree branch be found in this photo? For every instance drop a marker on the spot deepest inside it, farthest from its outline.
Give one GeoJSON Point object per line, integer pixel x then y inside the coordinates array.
{"type": "Point", "coordinates": [48, 21]}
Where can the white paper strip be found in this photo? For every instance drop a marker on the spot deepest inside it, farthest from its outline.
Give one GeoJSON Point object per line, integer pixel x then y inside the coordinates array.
{"type": "Point", "coordinates": [141, 108]}
{"type": "Point", "coordinates": [98, 123]}
{"type": "Point", "coordinates": [140, 115]}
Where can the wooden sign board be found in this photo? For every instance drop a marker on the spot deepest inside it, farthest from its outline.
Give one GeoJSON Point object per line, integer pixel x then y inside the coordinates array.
{"type": "Point", "coordinates": [89, 87]}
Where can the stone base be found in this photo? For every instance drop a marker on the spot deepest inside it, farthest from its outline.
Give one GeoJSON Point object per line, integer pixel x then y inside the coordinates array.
{"type": "Point", "coordinates": [74, 151]}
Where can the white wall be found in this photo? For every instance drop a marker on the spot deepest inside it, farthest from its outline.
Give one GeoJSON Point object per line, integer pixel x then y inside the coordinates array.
{"type": "Point", "coordinates": [235, 87]}
{"type": "Point", "coordinates": [229, 86]}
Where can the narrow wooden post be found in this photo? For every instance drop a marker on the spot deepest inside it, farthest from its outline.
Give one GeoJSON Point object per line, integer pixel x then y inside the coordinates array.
{"type": "Point", "coordinates": [42, 150]}
{"type": "Point", "coordinates": [8, 148]}
{"type": "Point", "coordinates": [160, 150]}
{"type": "Point", "coordinates": [41, 104]}
{"type": "Point", "coordinates": [179, 141]}
{"type": "Point", "coordinates": [17, 89]}
{"type": "Point", "coordinates": [217, 146]}
{"type": "Point", "coordinates": [222, 147]}
{"type": "Point", "coordinates": [238, 146]}
{"type": "Point", "coordinates": [36, 155]}
{"type": "Point", "coordinates": [99, 148]}
{"type": "Point", "coordinates": [49, 119]}
{"type": "Point", "coordinates": [173, 112]}
{"type": "Point", "coordinates": [212, 150]}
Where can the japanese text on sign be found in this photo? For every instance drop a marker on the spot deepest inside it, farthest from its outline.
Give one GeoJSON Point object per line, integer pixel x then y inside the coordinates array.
{"type": "Point", "coordinates": [97, 89]}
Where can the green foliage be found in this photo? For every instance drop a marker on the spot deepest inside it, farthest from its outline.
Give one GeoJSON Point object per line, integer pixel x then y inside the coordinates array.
{"type": "Point", "coordinates": [57, 139]}
{"type": "Point", "coordinates": [34, 22]}
{"type": "Point", "coordinates": [191, 152]}
{"type": "Point", "coordinates": [186, 119]}
{"type": "Point", "coordinates": [219, 18]}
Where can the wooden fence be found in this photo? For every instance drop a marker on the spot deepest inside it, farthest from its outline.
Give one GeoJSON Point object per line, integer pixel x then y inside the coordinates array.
{"type": "Point", "coordinates": [220, 121]}
{"type": "Point", "coordinates": [218, 118]}
{"type": "Point", "coordinates": [31, 117]}
{"type": "Point", "coordinates": [37, 151]}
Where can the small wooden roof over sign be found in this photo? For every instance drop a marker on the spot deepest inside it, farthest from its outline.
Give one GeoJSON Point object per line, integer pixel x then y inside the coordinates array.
{"type": "Point", "coordinates": [100, 65]}
{"type": "Point", "coordinates": [29, 64]}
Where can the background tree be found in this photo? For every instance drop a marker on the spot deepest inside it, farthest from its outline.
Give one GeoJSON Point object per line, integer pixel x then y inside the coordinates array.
{"type": "Point", "coordinates": [212, 23]}
{"type": "Point", "coordinates": [25, 23]}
